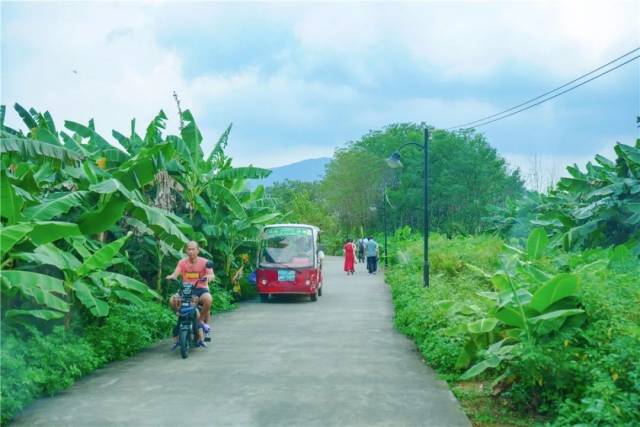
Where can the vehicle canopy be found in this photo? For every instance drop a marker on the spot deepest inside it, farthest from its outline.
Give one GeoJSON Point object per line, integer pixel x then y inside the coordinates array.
{"type": "Point", "coordinates": [289, 246]}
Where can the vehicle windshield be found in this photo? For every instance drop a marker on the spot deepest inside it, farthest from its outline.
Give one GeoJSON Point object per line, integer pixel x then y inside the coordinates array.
{"type": "Point", "coordinates": [287, 247]}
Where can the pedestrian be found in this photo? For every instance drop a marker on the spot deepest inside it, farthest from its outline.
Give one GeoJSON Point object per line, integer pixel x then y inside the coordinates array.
{"type": "Point", "coordinates": [361, 249]}
{"type": "Point", "coordinates": [372, 255]}
{"type": "Point", "coordinates": [349, 251]}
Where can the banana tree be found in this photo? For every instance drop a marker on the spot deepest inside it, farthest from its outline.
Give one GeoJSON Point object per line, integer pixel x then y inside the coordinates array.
{"type": "Point", "coordinates": [596, 207]}
{"type": "Point", "coordinates": [220, 205]}
{"type": "Point", "coordinates": [527, 305]}
{"type": "Point", "coordinates": [80, 274]}
{"type": "Point", "coordinates": [43, 181]}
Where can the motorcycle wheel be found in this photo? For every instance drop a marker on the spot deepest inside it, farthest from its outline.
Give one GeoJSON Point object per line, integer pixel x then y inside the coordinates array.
{"type": "Point", "coordinates": [194, 331]}
{"type": "Point", "coordinates": [184, 343]}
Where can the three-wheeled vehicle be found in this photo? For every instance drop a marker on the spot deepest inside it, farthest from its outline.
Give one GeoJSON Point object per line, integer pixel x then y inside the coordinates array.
{"type": "Point", "coordinates": [289, 261]}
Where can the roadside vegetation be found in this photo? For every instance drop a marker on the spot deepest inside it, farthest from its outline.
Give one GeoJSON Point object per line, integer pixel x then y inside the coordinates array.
{"type": "Point", "coordinates": [541, 329]}
{"type": "Point", "coordinates": [89, 231]}
{"type": "Point", "coordinates": [532, 311]}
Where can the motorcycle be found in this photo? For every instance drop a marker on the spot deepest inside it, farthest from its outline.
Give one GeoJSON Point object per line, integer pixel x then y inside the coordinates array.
{"type": "Point", "coordinates": [187, 324]}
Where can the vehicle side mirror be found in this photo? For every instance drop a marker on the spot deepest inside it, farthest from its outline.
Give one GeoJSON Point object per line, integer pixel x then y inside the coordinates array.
{"type": "Point", "coordinates": [320, 255]}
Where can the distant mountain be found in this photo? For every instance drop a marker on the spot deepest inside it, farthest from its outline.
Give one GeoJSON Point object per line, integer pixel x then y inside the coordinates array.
{"type": "Point", "coordinates": [306, 171]}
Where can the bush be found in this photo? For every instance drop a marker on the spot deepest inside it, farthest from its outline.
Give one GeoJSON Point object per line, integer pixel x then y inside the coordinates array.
{"type": "Point", "coordinates": [129, 329]}
{"type": "Point", "coordinates": [222, 299]}
{"type": "Point", "coordinates": [34, 364]}
{"type": "Point", "coordinates": [588, 374]}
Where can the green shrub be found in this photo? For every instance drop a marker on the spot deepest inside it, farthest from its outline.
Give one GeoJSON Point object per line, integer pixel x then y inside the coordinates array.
{"type": "Point", "coordinates": [222, 299]}
{"type": "Point", "coordinates": [129, 329]}
{"type": "Point", "coordinates": [34, 364]}
{"type": "Point", "coordinates": [247, 290]}
{"type": "Point", "coordinates": [588, 373]}
{"type": "Point", "coordinates": [16, 388]}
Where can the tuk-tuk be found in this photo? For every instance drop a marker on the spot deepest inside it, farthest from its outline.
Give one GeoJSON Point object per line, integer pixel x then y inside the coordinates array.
{"type": "Point", "coordinates": [289, 261]}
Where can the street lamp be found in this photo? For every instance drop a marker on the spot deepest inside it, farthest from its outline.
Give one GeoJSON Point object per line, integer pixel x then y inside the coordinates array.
{"type": "Point", "coordinates": [384, 218]}
{"type": "Point", "coordinates": [394, 162]}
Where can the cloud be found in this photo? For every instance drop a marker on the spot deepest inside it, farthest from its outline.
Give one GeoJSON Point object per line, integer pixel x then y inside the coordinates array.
{"type": "Point", "coordinates": [541, 172]}
{"type": "Point", "coordinates": [301, 79]}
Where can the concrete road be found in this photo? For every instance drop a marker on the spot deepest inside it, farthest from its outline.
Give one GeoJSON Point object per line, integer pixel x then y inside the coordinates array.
{"type": "Point", "coordinates": [291, 362]}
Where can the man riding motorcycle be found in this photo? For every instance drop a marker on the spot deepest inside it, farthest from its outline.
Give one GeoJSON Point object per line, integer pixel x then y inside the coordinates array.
{"type": "Point", "coordinates": [193, 270]}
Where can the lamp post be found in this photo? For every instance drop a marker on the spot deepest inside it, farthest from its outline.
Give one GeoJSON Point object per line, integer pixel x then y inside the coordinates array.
{"type": "Point", "coordinates": [394, 162]}
{"type": "Point", "coordinates": [384, 219]}
{"type": "Point", "coordinates": [384, 216]}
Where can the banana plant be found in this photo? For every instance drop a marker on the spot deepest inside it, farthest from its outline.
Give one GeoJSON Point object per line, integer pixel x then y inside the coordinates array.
{"type": "Point", "coordinates": [526, 305]}
{"type": "Point", "coordinates": [80, 273]}
{"type": "Point", "coordinates": [596, 207]}
{"type": "Point", "coordinates": [224, 211]}
{"type": "Point", "coordinates": [41, 185]}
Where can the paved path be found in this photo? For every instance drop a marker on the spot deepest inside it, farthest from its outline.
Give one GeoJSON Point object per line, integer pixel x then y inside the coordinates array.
{"type": "Point", "coordinates": [291, 362]}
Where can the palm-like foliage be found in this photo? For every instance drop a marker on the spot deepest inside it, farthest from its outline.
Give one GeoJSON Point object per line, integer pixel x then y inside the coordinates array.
{"type": "Point", "coordinates": [71, 203]}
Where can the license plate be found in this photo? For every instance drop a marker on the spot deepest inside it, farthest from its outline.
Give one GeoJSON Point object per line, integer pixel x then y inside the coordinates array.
{"type": "Point", "coordinates": [286, 275]}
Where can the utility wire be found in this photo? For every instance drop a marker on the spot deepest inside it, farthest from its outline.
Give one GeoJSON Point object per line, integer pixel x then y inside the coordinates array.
{"type": "Point", "coordinates": [550, 92]}
{"type": "Point", "coordinates": [558, 94]}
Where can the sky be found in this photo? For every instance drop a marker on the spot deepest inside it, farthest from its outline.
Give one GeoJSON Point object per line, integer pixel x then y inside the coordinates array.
{"type": "Point", "coordinates": [299, 79]}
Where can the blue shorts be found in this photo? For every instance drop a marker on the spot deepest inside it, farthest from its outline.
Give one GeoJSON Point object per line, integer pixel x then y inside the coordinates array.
{"type": "Point", "coordinates": [198, 292]}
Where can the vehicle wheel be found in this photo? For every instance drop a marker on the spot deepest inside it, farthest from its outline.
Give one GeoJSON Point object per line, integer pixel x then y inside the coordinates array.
{"type": "Point", "coordinates": [194, 332]}
{"type": "Point", "coordinates": [264, 297]}
{"type": "Point", "coordinates": [184, 343]}
{"type": "Point", "coordinates": [314, 296]}
{"type": "Point", "coordinates": [320, 291]}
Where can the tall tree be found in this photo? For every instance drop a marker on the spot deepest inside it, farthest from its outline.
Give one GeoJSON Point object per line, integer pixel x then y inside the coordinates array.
{"type": "Point", "coordinates": [466, 176]}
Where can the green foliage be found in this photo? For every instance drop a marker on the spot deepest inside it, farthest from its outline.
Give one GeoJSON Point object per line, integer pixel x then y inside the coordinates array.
{"type": "Point", "coordinates": [466, 176]}
{"type": "Point", "coordinates": [596, 207]}
{"type": "Point", "coordinates": [550, 333]}
{"type": "Point", "coordinates": [85, 226]}
{"type": "Point", "coordinates": [129, 329]}
{"type": "Point", "coordinates": [304, 203]}
{"type": "Point", "coordinates": [223, 299]}
{"type": "Point", "coordinates": [34, 364]}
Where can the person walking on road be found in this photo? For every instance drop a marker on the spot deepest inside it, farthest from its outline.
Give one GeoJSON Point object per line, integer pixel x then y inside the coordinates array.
{"type": "Point", "coordinates": [349, 251]}
{"type": "Point", "coordinates": [372, 255]}
{"type": "Point", "coordinates": [361, 249]}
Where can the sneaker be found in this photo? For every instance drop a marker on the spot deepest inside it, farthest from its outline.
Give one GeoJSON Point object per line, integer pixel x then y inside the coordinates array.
{"type": "Point", "coordinates": [201, 344]}
{"type": "Point", "coordinates": [207, 336]}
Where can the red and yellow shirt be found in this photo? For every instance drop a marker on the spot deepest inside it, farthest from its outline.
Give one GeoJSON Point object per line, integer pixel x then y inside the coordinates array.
{"type": "Point", "coordinates": [191, 272]}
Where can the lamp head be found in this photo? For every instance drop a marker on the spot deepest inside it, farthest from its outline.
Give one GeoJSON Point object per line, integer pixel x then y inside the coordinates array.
{"type": "Point", "coordinates": [394, 160]}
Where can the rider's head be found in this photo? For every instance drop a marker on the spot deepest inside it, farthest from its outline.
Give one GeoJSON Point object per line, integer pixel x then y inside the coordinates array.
{"type": "Point", "coordinates": [193, 250]}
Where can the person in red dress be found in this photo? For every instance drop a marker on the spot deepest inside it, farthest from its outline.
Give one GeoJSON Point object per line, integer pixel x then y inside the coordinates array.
{"type": "Point", "coordinates": [349, 251]}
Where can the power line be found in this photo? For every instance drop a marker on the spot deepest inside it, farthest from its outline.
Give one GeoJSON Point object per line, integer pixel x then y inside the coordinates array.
{"type": "Point", "coordinates": [549, 92]}
{"type": "Point", "coordinates": [558, 94]}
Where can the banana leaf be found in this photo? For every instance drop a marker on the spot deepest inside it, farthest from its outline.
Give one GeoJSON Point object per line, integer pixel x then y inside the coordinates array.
{"type": "Point", "coordinates": [38, 286]}
{"type": "Point", "coordinates": [83, 292]}
{"type": "Point", "coordinates": [103, 257]}
{"type": "Point", "coordinates": [32, 149]}
{"type": "Point", "coordinates": [49, 209]}
{"type": "Point", "coordinates": [11, 235]}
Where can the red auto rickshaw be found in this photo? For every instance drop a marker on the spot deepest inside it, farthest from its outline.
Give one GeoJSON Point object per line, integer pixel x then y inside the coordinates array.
{"type": "Point", "coordinates": [289, 261]}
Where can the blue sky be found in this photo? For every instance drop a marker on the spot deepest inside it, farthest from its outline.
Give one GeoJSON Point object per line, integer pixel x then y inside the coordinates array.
{"type": "Point", "coordinates": [300, 79]}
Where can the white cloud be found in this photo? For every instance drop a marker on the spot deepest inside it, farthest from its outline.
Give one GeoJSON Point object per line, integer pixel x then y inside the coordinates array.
{"type": "Point", "coordinates": [433, 111]}
{"type": "Point", "coordinates": [124, 71]}
{"type": "Point", "coordinates": [244, 154]}
{"type": "Point", "coordinates": [543, 171]}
